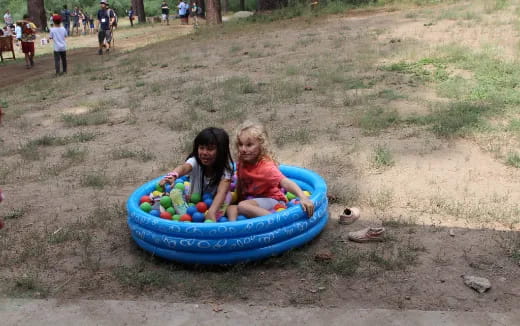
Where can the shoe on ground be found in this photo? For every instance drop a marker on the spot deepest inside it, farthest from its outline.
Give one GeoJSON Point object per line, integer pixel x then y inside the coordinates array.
{"type": "Point", "coordinates": [349, 215]}
{"type": "Point", "coordinates": [367, 235]}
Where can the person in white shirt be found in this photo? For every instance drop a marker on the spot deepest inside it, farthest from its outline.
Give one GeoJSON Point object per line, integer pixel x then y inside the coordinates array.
{"type": "Point", "coordinates": [58, 34]}
{"type": "Point", "coordinates": [8, 19]}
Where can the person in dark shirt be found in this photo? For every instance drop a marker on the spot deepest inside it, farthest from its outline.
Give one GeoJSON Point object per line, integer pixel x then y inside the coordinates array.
{"type": "Point", "coordinates": [105, 18]}
{"type": "Point", "coordinates": [65, 15]}
{"type": "Point", "coordinates": [131, 14]}
{"type": "Point", "coordinates": [165, 10]}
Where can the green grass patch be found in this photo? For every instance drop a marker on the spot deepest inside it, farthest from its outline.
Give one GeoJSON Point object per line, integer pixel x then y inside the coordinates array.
{"type": "Point", "coordinates": [94, 180]}
{"type": "Point", "coordinates": [382, 157]}
{"type": "Point", "coordinates": [140, 155]}
{"type": "Point", "coordinates": [375, 120]}
{"type": "Point", "coordinates": [140, 276]}
{"type": "Point", "coordinates": [96, 116]}
{"type": "Point", "coordinates": [513, 159]}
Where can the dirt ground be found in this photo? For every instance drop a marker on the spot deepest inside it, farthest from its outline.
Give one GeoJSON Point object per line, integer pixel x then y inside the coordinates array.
{"type": "Point", "coordinates": [450, 206]}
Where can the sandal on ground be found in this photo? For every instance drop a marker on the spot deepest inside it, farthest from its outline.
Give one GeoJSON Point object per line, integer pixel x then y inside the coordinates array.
{"type": "Point", "coordinates": [367, 235]}
{"type": "Point", "coordinates": [349, 215]}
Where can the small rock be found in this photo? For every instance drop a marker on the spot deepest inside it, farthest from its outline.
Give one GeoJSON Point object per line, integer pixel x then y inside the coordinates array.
{"type": "Point", "coordinates": [452, 233]}
{"type": "Point", "coordinates": [308, 88]}
{"type": "Point", "coordinates": [321, 288]}
{"type": "Point", "coordinates": [323, 255]}
{"type": "Point", "coordinates": [480, 284]}
{"type": "Point", "coordinates": [408, 297]}
{"type": "Point", "coordinates": [246, 53]}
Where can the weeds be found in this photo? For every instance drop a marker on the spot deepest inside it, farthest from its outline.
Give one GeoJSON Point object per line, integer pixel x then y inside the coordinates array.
{"type": "Point", "coordinates": [94, 180]}
{"type": "Point", "coordinates": [141, 155]}
{"type": "Point", "coordinates": [96, 116]}
{"type": "Point", "coordinates": [375, 120]}
{"type": "Point", "coordinates": [382, 157]}
{"type": "Point", "coordinates": [513, 159]}
{"type": "Point", "coordinates": [140, 276]}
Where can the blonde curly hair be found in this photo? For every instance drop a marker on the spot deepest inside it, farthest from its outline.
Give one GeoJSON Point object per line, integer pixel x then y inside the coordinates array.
{"type": "Point", "coordinates": [257, 131]}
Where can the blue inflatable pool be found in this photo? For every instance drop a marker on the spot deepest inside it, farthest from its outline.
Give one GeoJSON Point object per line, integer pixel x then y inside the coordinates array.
{"type": "Point", "coordinates": [231, 242]}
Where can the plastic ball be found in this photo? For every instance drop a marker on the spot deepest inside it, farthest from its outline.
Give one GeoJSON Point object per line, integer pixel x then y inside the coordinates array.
{"type": "Point", "coordinates": [146, 207]}
{"type": "Point", "coordinates": [290, 196]}
{"type": "Point", "coordinates": [191, 204]}
{"type": "Point", "coordinates": [232, 186]}
{"type": "Point", "coordinates": [223, 219]}
{"type": "Point", "coordinates": [166, 202]}
{"type": "Point", "coordinates": [209, 221]}
{"type": "Point", "coordinates": [171, 210]}
{"type": "Point", "coordinates": [145, 199]}
{"type": "Point", "coordinates": [198, 217]}
{"type": "Point", "coordinates": [195, 197]}
{"type": "Point", "coordinates": [208, 202]}
{"type": "Point", "coordinates": [166, 215]}
{"type": "Point", "coordinates": [167, 187]}
{"type": "Point", "coordinates": [234, 197]}
{"type": "Point", "coordinates": [157, 193]}
{"type": "Point", "coordinates": [278, 206]}
{"type": "Point", "coordinates": [155, 212]}
{"type": "Point", "coordinates": [202, 207]}
{"type": "Point", "coordinates": [250, 197]}
{"type": "Point", "coordinates": [185, 218]}
{"type": "Point", "coordinates": [179, 186]}
{"type": "Point", "coordinates": [308, 194]}
{"type": "Point", "coordinates": [186, 183]}
{"type": "Point", "coordinates": [159, 188]}
{"type": "Point", "coordinates": [191, 210]}
{"type": "Point", "coordinates": [176, 217]}
{"type": "Point", "coordinates": [241, 218]}
{"type": "Point", "coordinates": [207, 195]}
{"type": "Point", "coordinates": [280, 209]}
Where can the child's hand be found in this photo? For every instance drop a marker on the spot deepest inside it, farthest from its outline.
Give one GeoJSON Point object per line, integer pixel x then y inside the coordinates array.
{"type": "Point", "coordinates": [308, 206]}
{"type": "Point", "coordinates": [167, 179]}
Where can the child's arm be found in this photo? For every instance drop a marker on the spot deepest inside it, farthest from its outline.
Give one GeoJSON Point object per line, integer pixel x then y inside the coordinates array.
{"type": "Point", "coordinates": [307, 204]}
{"type": "Point", "coordinates": [178, 172]}
{"type": "Point", "coordinates": [222, 190]}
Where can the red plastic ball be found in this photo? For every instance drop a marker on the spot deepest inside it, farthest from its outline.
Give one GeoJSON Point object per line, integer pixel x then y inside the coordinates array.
{"type": "Point", "coordinates": [146, 199]}
{"type": "Point", "coordinates": [185, 218]}
{"type": "Point", "coordinates": [278, 206]}
{"type": "Point", "coordinates": [166, 215]}
{"type": "Point", "coordinates": [202, 207]}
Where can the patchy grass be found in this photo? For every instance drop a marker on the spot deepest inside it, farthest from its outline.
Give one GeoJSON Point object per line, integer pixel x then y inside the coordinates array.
{"type": "Point", "coordinates": [382, 157]}
{"type": "Point", "coordinates": [94, 180]}
{"type": "Point", "coordinates": [140, 155]}
{"type": "Point", "coordinates": [94, 117]}
{"type": "Point", "coordinates": [374, 120]}
{"type": "Point", "coordinates": [513, 159]}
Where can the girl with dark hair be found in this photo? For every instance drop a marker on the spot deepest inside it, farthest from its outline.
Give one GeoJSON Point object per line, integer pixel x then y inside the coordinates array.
{"type": "Point", "coordinates": [210, 167]}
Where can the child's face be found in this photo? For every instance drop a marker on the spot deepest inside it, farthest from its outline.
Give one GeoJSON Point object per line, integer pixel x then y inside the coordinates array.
{"type": "Point", "coordinates": [207, 154]}
{"type": "Point", "coordinates": [248, 148]}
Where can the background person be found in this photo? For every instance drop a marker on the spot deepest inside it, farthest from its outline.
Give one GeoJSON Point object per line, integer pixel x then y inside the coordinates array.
{"type": "Point", "coordinates": [28, 37]}
{"type": "Point", "coordinates": [105, 20]}
{"type": "Point", "coordinates": [65, 16]}
{"type": "Point", "coordinates": [8, 19]}
{"type": "Point", "coordinates": [165, 12]}
{"type": "Point", "coordinates": [131, 14]}
{"type": "Point", "coordinates": [58, 34]}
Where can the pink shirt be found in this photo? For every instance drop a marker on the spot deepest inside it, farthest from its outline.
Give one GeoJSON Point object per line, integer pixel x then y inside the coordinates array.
{"type": "Point", "coordinates": [261, 180]}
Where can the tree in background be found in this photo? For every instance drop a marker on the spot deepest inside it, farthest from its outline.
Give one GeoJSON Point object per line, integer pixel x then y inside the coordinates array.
{"type": "Point", "coordinates": [139, 9]}
{"type": "Point", "coordinates": [213, 14]}
{"type": "Point", "coordinates": [36, 11]}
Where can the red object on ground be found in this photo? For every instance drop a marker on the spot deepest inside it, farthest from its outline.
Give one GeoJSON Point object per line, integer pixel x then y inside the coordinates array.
{"type": "Point", "coordinates": [166, 215]}
{"type": "Point", "coordinates": [146, 199]}
{"type": "Point", "coordinates": [202, 207]}
{"type": "Point", "coordinates": [185, 218]}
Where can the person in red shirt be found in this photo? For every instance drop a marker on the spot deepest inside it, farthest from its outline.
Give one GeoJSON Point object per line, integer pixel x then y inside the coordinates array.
{"type": "Point", "coordinates": [259, 179]}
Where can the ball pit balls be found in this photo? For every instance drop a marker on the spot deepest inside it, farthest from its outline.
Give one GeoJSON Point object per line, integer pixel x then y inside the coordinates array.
{"type": "Point", "coordinates": [166, 202]}
{"type": "Point", "coordinates": [176, 217]}
{"type": "Point", "coordinates": [278, 206]}
{"type": "Point", "coordinates": [223, 219]}
{"type": "Point", "coordinates": [206, 196]}
{"type": "Point", "coordinates": [179, 186]}
{"type": "Point", "coordinates": [290, 196]}
{"type": "Point", "coordinates": [195, 197]}
{"type": "Point", "coordinates": [234, 197]}
{"type": "Point", "coordinates": [306, 193]}
{"type": "Point", "coordinates": [166, 215]}
{"type": "Point", "coordinates": [208, 202]}
{"type": "Point", "coordinates": [209, 221]}
{"type": "Point", "coordinates": [279, 209]}
{"type": "Point", "coordinates": [146, 199]}
{"type": "Point", "coordinates": [171, 210]}
{"type": "Point", "coordinates": [241, 218]}
{"type": "Point", "coordinates": [198, 217]}
{"type": "Point", "coordinates": [155, 212]}
{"type": "Point", "coordinates": [146, 207]}
{"type": "Point", "coordinates": [167, 187]}
{"type": "Point", "coordinates": [157, 193]}
{"type": "Point", "coordinates": [232, 186]}
{"type": "Point", "coordinates": [185, 218]}
{"type": "Point", "coordinates": [201, 207]}
{"type": "Point", "coordinates": [159, 188]}
{"type": "Point", "coordinates": [191, 210]}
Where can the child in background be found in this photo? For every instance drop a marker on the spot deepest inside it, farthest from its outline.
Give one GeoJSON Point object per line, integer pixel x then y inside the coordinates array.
{"type": "Point", "coordinates": [58, 34]}
{"type": "Point", "coordinates": [259, 176]}
{"type": "Point", "coordinates": [210, 167]}
{"type": "Point", "coordinates": [91, 23]}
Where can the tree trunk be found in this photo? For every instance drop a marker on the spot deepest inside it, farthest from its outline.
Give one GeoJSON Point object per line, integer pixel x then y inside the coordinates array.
{"type": "Point", "coordinates": [213, 14]}
{"type": "Point", "coordinates": [139, 10]}
{"type": "Point", "coordinates": [270, 4]}
{"type": "Point", "coordinates": [242, 5]}
{"type": "Point", "coordinates": [36, 11]}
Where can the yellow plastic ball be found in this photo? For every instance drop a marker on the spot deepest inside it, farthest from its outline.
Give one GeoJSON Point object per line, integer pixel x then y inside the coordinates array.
{"type": "Point", "coordinates": [186, 183]}
{"type": "Point", "coordinates": [280, 209]}
{"type": "Point", "coordinates": [234, 197]}
{"type": "Point", "coordinates": [156, 193]}
{"type": "Point", "coordinates": [308, 194]}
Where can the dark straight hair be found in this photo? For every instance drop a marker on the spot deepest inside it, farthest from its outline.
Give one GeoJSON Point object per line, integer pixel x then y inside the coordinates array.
{"type": "Point", "coordinates": [223, 161]}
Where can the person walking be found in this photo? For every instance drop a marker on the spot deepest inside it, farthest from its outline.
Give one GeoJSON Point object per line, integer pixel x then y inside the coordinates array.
{"type": "Point", "coordinates": [131, 14]}
{"type": "Point", "coordinates": [165, 11]}
{"type": "Point", "coordinates": [58, 35]}
{"type": "Point", "coordinates": [65, 16]}
{"type": "Point", "coordinates": [105, 20]}
{"type": "Point", "coordinates": [28, 36]}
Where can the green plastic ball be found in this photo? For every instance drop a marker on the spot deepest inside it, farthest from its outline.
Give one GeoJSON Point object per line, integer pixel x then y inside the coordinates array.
{"type": "Point", "coordinates": [166, 202]}
{"type": "Point", "coordinates": [290, 196]}
{"type": "Point", "coordinates": [209, 221]}
{"type": "Point", "coordinates": [195, 197]}
{"type": "Point", "coordinates": [146, 207]}
{"type": "Point", "coordinates": [158, 187]}
{"type": "Point", "coordinates": [171, 210]}
{"type": "Point", "coordinates": [179, 186]}
{"type": "Point", "coordinates": [176, 217]}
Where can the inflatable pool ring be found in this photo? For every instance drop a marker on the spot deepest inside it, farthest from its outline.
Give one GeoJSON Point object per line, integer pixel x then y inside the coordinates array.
{"type": "Point", "coordinates": [231, 242]}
